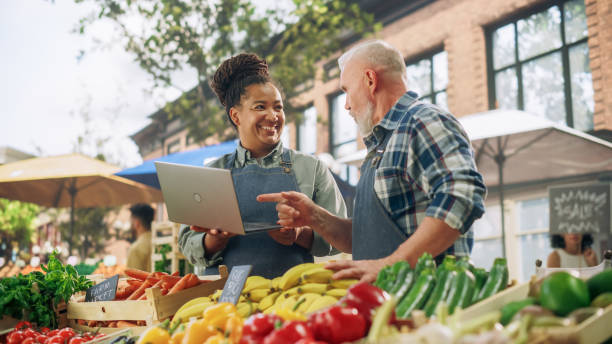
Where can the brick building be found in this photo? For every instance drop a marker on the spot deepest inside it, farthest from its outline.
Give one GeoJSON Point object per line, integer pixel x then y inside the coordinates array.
{"type": "Point", "coordinates": [550, 58]}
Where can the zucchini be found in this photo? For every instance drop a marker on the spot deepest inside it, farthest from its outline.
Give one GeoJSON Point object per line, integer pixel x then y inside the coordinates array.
{"type": "Point", "coordinates": [425, 262]}
{"type": "Point", "coordinates": [417, 295]}
{"type": "Point", "coordinates": [497, 280]}
{"type": "Point", "coordinates": [461, 291]}
{"type": "Point", "coordinates": [443, 283]}
{"type": "Point", "coordinates": [405, 285]}
{"type": "Point", "coordinates": [401, 277]}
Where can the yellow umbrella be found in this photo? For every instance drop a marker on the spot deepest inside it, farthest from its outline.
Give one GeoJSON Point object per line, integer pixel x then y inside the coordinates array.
{"type": "Point", "coordinates": [74, 181]}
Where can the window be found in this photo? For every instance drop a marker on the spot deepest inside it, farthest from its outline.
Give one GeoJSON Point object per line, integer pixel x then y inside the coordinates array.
{"type": "Point", "coordinates": [285, 138]}
{"type": "Point", "coordinates": [428, 77]}
{"type": "Point", "coordinates": [307, 132]}
{"type": "Point", "coordinates": [532, 236]}
{"type": "Point", "coordinates": [173, 146]}
{"type": "Point", "coordinates": [540, 63]}
{"type": "Point", "coordinates": [343, 136]}
{"type": "Point", "coordinates": [487, 238]}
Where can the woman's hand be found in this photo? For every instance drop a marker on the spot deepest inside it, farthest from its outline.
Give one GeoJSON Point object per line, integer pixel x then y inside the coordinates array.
{"type": "Point", "coordinates": [590, 257]}
{"type": "Point", "coordinates": [285, 236]}
{"type": "Point", "coordinates": [214, 240]}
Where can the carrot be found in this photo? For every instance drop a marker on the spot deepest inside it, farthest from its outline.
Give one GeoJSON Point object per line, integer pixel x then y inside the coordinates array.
{"type": "Point", "coordinates": [176, 273]}
{"type": "Point", "coordinates": [124, 323]}
{"type": "Point", "coordinates": [180, 285]}
{"type": "Point", "coordinates": [193, 281]}
{"type": "Point", "coordinates": [138, 292]}
{"type": "Point", "coordinates": [92, 323]}
{"type": "Point", "coordinates": [144, 295]}
{"type": "Point", "coordinates": [138, 274]}
{"type": "Point", "coordinates": [133, 281]}
{"type": "Point", "coordinates": [112, 324]}
{"type": "Point", "coordinates": [126, 291]}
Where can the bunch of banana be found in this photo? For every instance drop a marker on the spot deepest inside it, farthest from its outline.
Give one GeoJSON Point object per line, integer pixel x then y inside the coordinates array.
{"type": "Point", "coordinates": [192, 308]}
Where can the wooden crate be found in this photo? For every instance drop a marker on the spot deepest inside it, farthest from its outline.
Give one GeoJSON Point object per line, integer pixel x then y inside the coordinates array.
{"type": "Point", "coordinates": [153, 310]}
{"type": "Point", "coordinates": [165, 233]}
{"type": "Point", "coordinates": [596, 329]}
{"type": "Point", "coordinates": [7, 324]}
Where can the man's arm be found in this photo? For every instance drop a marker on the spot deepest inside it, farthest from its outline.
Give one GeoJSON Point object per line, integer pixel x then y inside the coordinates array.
{"type": "Point", "coordinates": [297, 210]}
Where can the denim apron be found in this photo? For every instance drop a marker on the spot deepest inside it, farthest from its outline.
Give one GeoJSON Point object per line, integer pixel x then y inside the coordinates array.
{"type": "Point", "coordinates": [375, 233]}
{"type": "Point", "coordinates": [269, 258]}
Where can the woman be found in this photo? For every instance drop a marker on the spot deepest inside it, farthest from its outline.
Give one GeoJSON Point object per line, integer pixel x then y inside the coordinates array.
{"type": "Point", "coordinates": [260, 165]}
{"type": "Point", "coordinates": [571, 251]}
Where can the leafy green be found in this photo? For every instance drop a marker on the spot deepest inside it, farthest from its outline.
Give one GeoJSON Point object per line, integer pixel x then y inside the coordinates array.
{"type": "Point", "coordinates": [34, 296]}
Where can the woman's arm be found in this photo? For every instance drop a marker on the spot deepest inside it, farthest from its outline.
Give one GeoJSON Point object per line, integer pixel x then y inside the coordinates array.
{"type": "Point", "coordinates": [590, 257]}
{"type": "Point", "coordinates": [553, 261]}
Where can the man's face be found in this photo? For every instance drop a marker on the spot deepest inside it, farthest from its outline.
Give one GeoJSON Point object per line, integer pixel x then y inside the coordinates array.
{"type": "Point", "coordinates": [354, 83]}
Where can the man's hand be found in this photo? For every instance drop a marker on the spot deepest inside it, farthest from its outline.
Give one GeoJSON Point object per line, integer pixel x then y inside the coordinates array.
{"type": "Point", "coordinates": [294, 208]}
{"type": "Point", "coordinates": [285, 236]}
{"type": "Point", "coordinates": [364, 270]}
{"type": "Point", "coordinates": [214, 240]}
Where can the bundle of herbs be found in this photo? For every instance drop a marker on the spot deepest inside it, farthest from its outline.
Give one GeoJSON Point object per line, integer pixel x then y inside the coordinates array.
{"type": "Point", "coordinates": [34, 296]}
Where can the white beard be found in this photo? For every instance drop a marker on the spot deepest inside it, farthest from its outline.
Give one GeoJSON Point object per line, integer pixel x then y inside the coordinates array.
{"type": "Point", "coordinates": [364, 120]}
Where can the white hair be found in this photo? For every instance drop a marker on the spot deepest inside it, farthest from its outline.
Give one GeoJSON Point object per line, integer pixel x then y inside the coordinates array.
{"type": "Point", "coordinates": [377, 54]}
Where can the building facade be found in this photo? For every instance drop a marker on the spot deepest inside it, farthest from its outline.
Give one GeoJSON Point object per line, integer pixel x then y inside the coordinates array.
{"type": "Point", "coordinates": [550, 58]}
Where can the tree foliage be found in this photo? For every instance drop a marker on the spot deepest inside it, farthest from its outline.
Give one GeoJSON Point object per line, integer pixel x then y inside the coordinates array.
{"type": "Point", "coordinates": [91, 230]}
{"type": "Point", "coordinates": [171, 35]}
{"type": "Point", "coordinates": [17, 221]}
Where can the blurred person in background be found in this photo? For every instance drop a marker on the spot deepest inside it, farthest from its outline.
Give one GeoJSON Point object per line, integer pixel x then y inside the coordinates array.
{"type": "Point", "coordinates": [139, 254]}
{"type": "Point", "coordinates": [571, 250]}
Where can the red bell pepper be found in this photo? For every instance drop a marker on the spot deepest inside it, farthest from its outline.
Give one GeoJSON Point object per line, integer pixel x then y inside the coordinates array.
{"type": "Point", "coordinates": [366, 298]}
{"type": "Point", "coordinates": [258, 326]}
{"type": "Point", "coordinates": [290, 333]}
{"type": "Point", "coordinates": [338, 324]}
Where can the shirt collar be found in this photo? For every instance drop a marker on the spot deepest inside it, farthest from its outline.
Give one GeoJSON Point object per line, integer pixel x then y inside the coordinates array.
{"type": "Point", "coordinates": [243, 155]}
{"type": "Point", "coordinates": [391, 120]}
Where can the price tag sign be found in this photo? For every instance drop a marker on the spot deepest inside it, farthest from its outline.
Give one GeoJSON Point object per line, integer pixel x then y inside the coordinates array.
{"type": "Point", "coordinates": [235, 283]}
{"type": "Point", "coordinates": [104, 291]}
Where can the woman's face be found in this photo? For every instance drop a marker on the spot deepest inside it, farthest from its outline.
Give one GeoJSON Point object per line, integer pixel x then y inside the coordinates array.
{"type": "Point", "coordinates": [572, 239]}
{"type": "Point", "coordinates": [260, 118]}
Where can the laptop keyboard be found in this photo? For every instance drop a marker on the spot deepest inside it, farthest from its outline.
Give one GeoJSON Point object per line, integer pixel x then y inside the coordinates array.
{"type": "Point", "coordinates": [259, 226]}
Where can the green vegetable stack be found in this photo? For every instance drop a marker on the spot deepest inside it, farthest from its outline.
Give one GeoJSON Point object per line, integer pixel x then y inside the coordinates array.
{"type": "Point", "coordinates": [457, 283]}
{"type": "Point", "coordinates": [33, 296]}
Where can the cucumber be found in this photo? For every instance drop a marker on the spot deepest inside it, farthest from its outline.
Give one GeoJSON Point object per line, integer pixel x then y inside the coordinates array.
{"type": "Point", "coordinates": [425, 262]}
{"type": "Point", "coordinates": [405, 285]}
{"type": "Point", "coordinates": [401, 277]}
{"type": "Point", "coordinates": [417, 295]}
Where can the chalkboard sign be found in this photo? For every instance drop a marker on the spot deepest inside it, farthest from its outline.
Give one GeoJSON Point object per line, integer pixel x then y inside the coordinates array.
{"type": "Point", "coordinates": [580, 209]}
{"type": "Point", "coordinates": [235, 283]}
{"type": "Point", "coordinates": [104, 291]}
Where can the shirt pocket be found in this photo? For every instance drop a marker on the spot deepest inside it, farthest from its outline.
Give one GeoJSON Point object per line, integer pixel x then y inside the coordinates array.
{"type": "Point", "coordinates": [394, 191]}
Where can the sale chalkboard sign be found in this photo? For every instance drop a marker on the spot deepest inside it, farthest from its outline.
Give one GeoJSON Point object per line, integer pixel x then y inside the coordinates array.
{"type": "Point", "coordinates": [580, 209]}
{"type": "Point", "coordinates": [104, 291]}
{"type": "Point", "coordinates": [235, 282]}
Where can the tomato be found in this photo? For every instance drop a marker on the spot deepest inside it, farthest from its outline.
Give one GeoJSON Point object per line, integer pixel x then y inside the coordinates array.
{"type": "Point", "coordinates": [29, 340]}
{"type": "Point", "coordinates": [44, 330]}
{"type": "Point", "coordinates": [41, 338]}
{"type": "Point", "coordinates": [52, 333]}
{"type": "Point", "coordinates": [66, 333]}
{"type": "Point", "coordinates": [55, 340]}
{"type": "Point", "coordinates": [77, 340]}
{"type": "Point", "coordinates": [29, 333]}
{"type": "Point", "coordinates": [23, 324]}
{"type": "Point", "coordinates": [15, 337]}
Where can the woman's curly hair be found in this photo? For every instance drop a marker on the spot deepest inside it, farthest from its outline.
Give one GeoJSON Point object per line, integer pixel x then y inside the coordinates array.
{"type": "Point", "coordinates": [233, 77]}
{"type": "Point", "coordinates": [556, 241]}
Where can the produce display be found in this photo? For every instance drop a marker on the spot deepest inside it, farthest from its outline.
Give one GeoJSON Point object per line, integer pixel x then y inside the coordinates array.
{"type": "Point", "coordinates": [34, 296]}
{"type": "Point", "coordinates": [450, 303]}
{"type": "Point", "coordinates": [456, 283]}
{"type": "Point", "coordinates": [25, 333]}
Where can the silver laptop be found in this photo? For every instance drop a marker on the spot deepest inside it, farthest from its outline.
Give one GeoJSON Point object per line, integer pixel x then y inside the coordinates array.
{"type": "Point", "coordinates": [204, 197]}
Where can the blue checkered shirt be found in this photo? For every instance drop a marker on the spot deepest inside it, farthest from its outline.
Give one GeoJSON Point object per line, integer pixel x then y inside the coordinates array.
{"type": "Point", "coordinates": [428, 170]}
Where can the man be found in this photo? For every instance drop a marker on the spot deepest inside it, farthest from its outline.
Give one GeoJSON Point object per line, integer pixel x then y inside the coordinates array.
{"type": "Point", "coordinates": [419, 189]}
{"type": "Point", "coordinates": [139, 254]}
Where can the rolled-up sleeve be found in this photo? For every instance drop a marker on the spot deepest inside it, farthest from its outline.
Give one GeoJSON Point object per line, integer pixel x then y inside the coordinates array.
{"type": "Point", "coordinates": [449, 174]}
{"type": "Point", "coordinates": [191, 245]}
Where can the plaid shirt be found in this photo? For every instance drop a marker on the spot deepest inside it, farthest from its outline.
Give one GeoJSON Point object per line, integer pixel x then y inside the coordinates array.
{"type": "Point", "coordinates": [428, 169]}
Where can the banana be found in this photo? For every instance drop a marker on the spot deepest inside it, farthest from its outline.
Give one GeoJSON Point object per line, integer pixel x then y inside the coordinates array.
{"type": "Point", "coordinates": [195, 310]}
{"type": "Point", "coordinates": [257, 295]}
{"type": "Point", "coordinates": [289, 302]}
{"type": "Point", "coordinates": [255, 282]}
{"type": "Point", "coordinates": [281, 298]}
{"type": "Point", "coordinates": [317, 288]}
{"type": "Point", "coordinates": [293, 291]}
{"type": "Point", "coordinates": [291, 277]}
{"type": "Point", "coordinates": [319, 275]}
{"type": "Point", "coordinates": [322, 302]}
{"type": "Point", "coordinates": [193, 302]}
{"type": "Point", "coordinates": [268, 301]}
{"type": "Point", "coordinates": [308, 298]}
{"type": "Point", "coordinates": [343, 283]}
{"type": "Point", "coordinates": [338, 292]}
{"type": "Point", "coordinates": [274, 283]}
{"type": "Point", "coordinates": [216, 295]}
{"type": "Point", "coordinates": [245, 309]}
